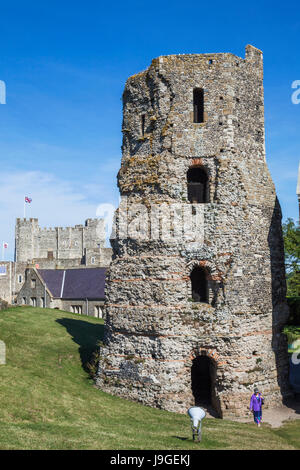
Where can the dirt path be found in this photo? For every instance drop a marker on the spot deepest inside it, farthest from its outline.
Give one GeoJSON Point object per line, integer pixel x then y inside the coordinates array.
{"type": "Point", "coordinates": [276, 417]}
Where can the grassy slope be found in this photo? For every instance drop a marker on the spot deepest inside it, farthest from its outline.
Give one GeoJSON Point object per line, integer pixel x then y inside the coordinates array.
{"type": "Point", "coordinates": [49, 402]}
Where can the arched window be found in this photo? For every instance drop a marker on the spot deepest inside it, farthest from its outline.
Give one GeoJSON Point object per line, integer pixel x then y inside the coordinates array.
{"type": "Point", "coordinates": [197, 181]}
{"type": "Point", "coordinates": [198, 99]}
{"type": "Point", "coordinates": [199, 285]}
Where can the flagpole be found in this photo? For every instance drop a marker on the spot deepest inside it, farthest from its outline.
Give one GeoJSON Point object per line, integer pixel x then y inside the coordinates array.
{"type": "Point", "coordinates": [2, 251]}
{"type": "Point", "coordinates": [24, 208]}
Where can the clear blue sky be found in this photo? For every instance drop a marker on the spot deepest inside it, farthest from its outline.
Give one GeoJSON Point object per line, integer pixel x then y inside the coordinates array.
{"type": "Point", "coordinates": [65, 65]}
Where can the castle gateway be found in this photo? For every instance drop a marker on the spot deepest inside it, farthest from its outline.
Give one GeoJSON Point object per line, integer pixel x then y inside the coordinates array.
{"type": "Point", "coordinates": [192, 321]}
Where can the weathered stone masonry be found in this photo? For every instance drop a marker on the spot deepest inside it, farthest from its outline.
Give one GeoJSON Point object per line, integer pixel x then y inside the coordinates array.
{"type": "Point", "coordinates": [154, 333]}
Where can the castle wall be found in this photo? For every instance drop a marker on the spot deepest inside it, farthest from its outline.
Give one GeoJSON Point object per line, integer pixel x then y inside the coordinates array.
{"type": "Point", "coordinates": [6, 281]}
{"type": "Point", "coordinates": [36, 243]}
{"type": "Point", "coordinates": [154, 332]}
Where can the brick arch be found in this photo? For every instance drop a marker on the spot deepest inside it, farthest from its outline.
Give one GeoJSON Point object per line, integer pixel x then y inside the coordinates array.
{"type": "Point", "coordinates": [213, 272]}
{"type": "Point", "coordinates": [208, 352]}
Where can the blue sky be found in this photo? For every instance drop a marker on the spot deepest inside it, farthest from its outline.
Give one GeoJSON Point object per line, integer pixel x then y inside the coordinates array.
{"type": "Point", "coordinates": [65, 65]}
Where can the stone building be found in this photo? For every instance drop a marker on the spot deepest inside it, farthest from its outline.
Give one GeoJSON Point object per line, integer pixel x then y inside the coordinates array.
{"type": "Point", "coordinates": [197, 321]}
{"type": "Point", "coordinates": [52, 248]}
{"type": "Point", "coordinates": [12, 276]}
{"type": "Point", "coordinates": [74, 290]}
{"type": "Point", "coordinates": [61, 246]}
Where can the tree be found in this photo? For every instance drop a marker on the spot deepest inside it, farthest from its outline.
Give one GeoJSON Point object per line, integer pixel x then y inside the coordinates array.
{"type": "Point", "coordinates": [291, 236]}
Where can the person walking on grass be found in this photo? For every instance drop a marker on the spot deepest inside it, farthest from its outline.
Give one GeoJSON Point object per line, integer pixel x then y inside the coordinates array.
{"type": "Point", "coordinates": [256, 403]}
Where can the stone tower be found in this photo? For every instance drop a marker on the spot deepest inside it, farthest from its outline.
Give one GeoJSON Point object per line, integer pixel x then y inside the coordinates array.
{"type": "Point", "coordinates": [197, 321]}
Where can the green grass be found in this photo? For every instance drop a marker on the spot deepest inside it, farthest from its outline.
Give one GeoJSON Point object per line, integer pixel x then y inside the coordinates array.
{"type": "Point", "coordinates": [48, 400]}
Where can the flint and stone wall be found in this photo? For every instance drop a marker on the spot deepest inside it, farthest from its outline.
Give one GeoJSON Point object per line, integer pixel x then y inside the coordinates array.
{"type": "Point", "coordinates": [153, 331]}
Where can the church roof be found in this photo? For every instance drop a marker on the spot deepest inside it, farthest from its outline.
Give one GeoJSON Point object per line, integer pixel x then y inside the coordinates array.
{"type": "Point", "coordinates": [85, 283]}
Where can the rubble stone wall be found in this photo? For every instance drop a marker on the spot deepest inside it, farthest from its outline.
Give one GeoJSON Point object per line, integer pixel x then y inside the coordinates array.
{"type": "Point", "coordinates": [153, 329]}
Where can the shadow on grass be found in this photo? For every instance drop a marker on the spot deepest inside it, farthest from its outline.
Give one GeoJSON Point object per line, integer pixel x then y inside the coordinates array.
{"type": "Point", "coordinates": [85, 334]}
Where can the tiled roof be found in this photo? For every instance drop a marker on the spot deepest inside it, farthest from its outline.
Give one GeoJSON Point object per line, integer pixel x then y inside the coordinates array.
{"type": "Point", "coordinates": [85, 283]}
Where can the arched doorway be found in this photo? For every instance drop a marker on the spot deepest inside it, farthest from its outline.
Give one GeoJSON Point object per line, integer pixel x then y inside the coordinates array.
{"type": "Point", "coordinates": [201, 375]}
{"type": "Point", "coordinates": [197, 182]}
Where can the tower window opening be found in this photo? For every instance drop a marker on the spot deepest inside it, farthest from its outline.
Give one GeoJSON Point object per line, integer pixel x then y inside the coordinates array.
{"type": "Point", "coordinates": [198, 96]}
{"type": "Point", "coordinates": [197, 181]}
{"type": "Point", "coordinates": [199, 285]}
{"type": "Point", "coordinates": [143, 123]}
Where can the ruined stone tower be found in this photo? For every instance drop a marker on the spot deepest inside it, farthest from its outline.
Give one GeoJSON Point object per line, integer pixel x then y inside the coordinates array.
{"type": "Point", "coordinates": [197, 321]}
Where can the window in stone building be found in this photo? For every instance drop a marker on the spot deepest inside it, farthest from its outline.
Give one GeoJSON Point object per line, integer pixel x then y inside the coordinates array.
{"type": "Point", "coordinates": [197, 185]}
{"type": "Point", "coordinates": [3, 270]}
{"type": "Point", "coordinates": [33, 301]}
{"type": "Point", "coordinates": [20, 278]}
{"type": "Point", "coordinates": [92, 260]}
{"type": "Point", "coordinates": [76, 309]}
{"type": "Point", "coordinates": [199, 285]}
{"type": "Point", "coordinates": [98, 311]}
{"type": "Point", "coordinates": [198, 96]}
{"type": "Point", "coordinates": [143, 120]}
{"type": "Point", "coordinates": [50, 255]}
{"type": "Point", "coordinates": [33, 283]}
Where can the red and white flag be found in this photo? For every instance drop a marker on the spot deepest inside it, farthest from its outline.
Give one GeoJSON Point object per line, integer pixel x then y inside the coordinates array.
{"type": "Point", "coordinates": [5, 245]}
{"type": "Point", "coordinates": [28, 199]}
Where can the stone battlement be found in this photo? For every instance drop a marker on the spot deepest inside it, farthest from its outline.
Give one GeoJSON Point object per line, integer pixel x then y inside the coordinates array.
{"type": "Point", "coordinates": [34, 242]}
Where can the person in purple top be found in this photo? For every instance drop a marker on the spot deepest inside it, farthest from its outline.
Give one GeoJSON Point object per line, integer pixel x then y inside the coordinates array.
{"type": "Point", "coordinates": [256, 403]}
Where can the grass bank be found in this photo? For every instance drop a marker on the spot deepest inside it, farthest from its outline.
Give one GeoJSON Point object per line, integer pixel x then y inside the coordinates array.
{"type": "Point", "coordinates": [48, 400]}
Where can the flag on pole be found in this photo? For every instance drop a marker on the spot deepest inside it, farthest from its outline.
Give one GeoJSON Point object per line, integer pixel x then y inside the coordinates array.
{"type": "Point", "coordinates": [4, 246]}
{"type": "Point", "coordinates": [28, 199]}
